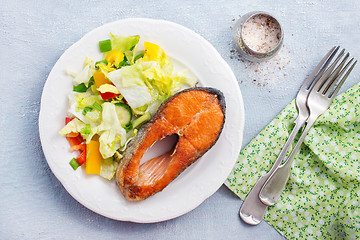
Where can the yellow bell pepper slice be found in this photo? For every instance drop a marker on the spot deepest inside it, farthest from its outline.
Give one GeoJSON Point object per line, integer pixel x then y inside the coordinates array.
{"type": "Point", "coordinates": [114, 57]}
{"type": "Point", "coordinates": [105, 69]}
{"type": "Point", "coordinates": [100, 79]}
{"type": "Point", "coordinates": [153, 53]}
{"type": "Point", "coordinates": [93, 158]}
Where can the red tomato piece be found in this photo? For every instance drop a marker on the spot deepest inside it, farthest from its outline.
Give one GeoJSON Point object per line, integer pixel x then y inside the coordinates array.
{"type": "Point", "coordinates": [108, 95]}
{"type": "Point", "coordinates": [81, 147]}
{"type": "Point", "coordinates": [67, 120]}
{"type": "Point", "coordinates": [82, 157]}
{"type": "Point", "coordinates": [75, 142]}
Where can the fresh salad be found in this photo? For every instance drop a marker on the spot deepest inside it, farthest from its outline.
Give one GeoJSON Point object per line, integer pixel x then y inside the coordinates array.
{"type": "Point", "coordinates": [113, 97]}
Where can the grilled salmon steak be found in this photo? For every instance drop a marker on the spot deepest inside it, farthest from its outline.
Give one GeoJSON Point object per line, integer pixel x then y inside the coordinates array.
{"type": "Point", "coordinates": [196, 116]}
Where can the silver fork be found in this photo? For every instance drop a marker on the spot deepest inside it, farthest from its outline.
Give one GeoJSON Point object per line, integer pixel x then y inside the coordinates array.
{"type": "Point", "coordinates": [252, 210]}
{"type": "Point", "coordinates": [318, 102]}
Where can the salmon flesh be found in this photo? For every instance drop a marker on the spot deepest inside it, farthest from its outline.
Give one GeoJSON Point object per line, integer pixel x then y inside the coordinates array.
{"type": "Point", "coordinates": [196, 116]}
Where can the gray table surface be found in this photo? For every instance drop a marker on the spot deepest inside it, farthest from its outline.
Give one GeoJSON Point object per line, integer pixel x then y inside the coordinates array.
{"type": "Point", "coordinates": [34, 34]}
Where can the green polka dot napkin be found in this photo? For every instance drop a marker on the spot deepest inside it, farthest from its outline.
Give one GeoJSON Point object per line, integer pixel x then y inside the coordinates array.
{"type": "Point", "coordinates": [321, 199]}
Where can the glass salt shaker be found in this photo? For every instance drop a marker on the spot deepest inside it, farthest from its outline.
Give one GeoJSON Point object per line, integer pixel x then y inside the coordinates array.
{"type": "Point", "coordinates": [258, 36]}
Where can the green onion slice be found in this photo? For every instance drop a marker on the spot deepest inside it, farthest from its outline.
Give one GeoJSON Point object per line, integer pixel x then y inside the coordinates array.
{"type": "Point", "coordinates": [105, 45]}
{"type": "Point", "coordinates": [74, 164]}
{"type": "Point", "coordinates": [86, 131]}
{"type": "Point", "coordinates": [97, 106]}
{"type": "Point", "coordinates": [86, 110]}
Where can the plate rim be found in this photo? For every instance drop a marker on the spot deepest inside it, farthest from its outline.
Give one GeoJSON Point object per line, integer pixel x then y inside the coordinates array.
{"type": "Point", "coordinates": [218, 57]}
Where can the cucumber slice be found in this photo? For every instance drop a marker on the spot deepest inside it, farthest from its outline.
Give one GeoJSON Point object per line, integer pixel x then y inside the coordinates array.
{"type": "Point", "coordinates": [124, 113]}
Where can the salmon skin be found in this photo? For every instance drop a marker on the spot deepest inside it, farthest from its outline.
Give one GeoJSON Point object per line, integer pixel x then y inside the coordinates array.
{"type": "Point", "coordinates": [196, 116]}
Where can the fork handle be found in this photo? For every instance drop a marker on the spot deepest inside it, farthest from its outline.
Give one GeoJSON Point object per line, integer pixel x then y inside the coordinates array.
{"type": "Point", "coordinates": [275, 184]}
{"type": "Point", "coordinates": [299, 123]}
{"type": "Point", "coordinates": [252, 210]}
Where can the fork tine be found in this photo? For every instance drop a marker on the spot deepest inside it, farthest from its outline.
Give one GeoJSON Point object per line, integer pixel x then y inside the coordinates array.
{"type": "Point", "coordinates": [331, 93]}
{"type": "Point", "coordinates": [310, 80]}
{"type": "Point", "coordinates": [333, 75]}
{"type": "Point", "coordinates": [319, 69]}
{"type": "Point", "coordinates": [328, 71]}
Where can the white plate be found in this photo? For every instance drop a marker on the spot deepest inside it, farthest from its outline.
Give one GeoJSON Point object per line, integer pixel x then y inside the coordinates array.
{"type": "Point", "coordinates": [196, 183]}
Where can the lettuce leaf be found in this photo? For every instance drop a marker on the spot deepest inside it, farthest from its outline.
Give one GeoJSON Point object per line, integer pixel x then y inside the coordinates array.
{"type": "Point", "coordinates": [130, 55]}
{"type": "Point", "coordinates": [74, 110]}
{"type": "Point", "coordinates": [143, 83]}
{"type": "Point", "coordinates": [134, 89]}
{"type": "Point", "coordinates": [85, 74]}
{"type": "Point", "coordinates": [132, 76]}
{"type": "Point", "coordinates": [124, 43]}
{"type": "Point", "coordinates": [78, 101]}
{"type": "Point", "coordinates": [112, 135]}
{"type": "Point", "coordinates": [74, 126]}
{"type": "Point", "coordinates": [159, 72]}
{"type": "Point", "coordinates": [153, 107]}
{"type": "Point", "coordinates": [87, 99]}
{"type": "Point", "coordinates": [108, 168]}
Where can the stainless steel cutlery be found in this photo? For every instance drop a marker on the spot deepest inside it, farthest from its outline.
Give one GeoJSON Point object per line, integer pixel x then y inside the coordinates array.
{"type": "Point", "coordinates": [313, 99]}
